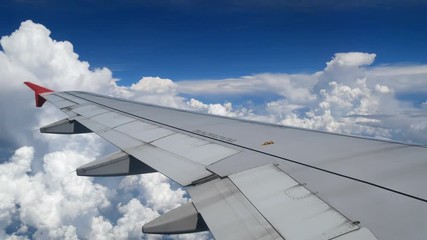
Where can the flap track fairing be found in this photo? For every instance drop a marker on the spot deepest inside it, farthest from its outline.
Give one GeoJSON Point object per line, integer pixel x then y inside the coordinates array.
{"type": "Point", "coordinates": [183, 219]}
{"type": "Point", "coordinates": [116, 164]}
{"type": "Point", "coordinates": [65, 126]}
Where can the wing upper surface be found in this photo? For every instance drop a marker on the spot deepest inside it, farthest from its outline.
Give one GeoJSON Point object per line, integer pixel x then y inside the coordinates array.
{"type": "Point", "coordinates": [207, 152]}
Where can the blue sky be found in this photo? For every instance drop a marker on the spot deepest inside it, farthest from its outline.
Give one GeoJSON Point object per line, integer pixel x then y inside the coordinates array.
{"type": "Point", "coordinates": [185, 40]}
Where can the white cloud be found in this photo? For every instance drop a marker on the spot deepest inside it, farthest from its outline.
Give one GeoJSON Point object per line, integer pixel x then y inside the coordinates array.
{"type": "Point", "coordinates": [217, 109]}
{"type": "Point", "coordinates": [350, 59]}
{"type": "Point", "coordinates": [52, 200]}
{"type": "Point", "coordinates": [129, 225]}
{"type": "Point", "coordinates": [382, 88]}
{"type": "Point", "coordinates": [295, 87]}
{"type": "Point", "coordinates": [62, 232]}
{"type": "Point", "coordinates": [348, 96]}
{"type": "Point", "coordinates": [156, 190]}
{"type": "Point", "coordinates": [134, 215]}
{"type": "Point", "coordinates": [154, 84]}
{"type": "Point", "coordinates": [30, 54]}
{"type": "Point", "coordinates": [52, 63]}
{"type": "Point", "coordinates": [155, 90]}
{"type": "Point", "coordinates": [38, 192]}
{"type": "Point", "coordinates": [404, 78]}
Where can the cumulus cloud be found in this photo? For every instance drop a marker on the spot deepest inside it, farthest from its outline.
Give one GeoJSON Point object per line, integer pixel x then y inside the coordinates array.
{"type": "Point", "coordinates": [347, 96]}
{"type": "Point", "coordinates": [350, 59]}
{"type": "Point", "coordinates": [217, 109]}
{"type": "Point", "coordinates": [30, 54]}
{"type": "Point", "coordinates": [52, 201]}
{"type": "Point", "coordinates": [405, 78]}
{"type": "Point", "coordinates": [295, 87]}
{"type": "Point", "coordinates": [155, 190]}
{"type": "Point", "coordinates": [154, 90]}
{"type": "Point", "coordinates": [154, 84]}
{"type": "Point", "coordinates": [134, 215]}
{"type": "Point", "coordinates": [40, 196]}
{"type": "Point", "coordinates": [54, 63]}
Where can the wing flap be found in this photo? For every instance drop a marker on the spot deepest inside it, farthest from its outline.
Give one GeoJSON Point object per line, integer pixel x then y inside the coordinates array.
{"type": "Point", "coordinates": [228, 212]}
{"type": "Point", "coordinates": [362, 233]}
{"type": "Point", "coordinates": [289, 206]}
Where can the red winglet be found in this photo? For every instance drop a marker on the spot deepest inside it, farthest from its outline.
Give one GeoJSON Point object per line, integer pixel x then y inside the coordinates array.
{"type": "Point", "coordinates": [37, 91]}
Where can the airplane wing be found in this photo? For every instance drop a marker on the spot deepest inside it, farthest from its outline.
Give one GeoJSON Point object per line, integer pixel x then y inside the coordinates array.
{"type": "Point", "coordinates": [251, 180]}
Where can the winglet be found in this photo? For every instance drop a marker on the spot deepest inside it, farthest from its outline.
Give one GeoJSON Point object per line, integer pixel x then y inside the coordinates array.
{"type": "Point", "coordinates": [37, 91]}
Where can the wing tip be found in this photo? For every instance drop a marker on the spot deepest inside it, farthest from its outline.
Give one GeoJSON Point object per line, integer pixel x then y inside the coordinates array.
{"type": "Point", "coordinates": [37, 88]}
{"type": "Point", "coordinates": [37, 91]}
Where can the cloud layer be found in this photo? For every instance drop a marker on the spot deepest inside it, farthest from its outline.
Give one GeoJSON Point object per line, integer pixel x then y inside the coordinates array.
{"type": "Point", "coordinates": [348, 96]}
{"type": "Point", "coordinates": [41, 198]}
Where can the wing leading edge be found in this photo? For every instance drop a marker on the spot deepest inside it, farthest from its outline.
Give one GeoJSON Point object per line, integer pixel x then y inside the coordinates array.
{"type": "Point", "coordinates": [301, 185]}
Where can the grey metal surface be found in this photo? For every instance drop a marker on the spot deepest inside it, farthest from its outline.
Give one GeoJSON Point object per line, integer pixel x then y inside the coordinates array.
{"type": "Point", "coordinates": [241, 162]}
{"type": "Point", "coordinates": [119, 139]}
{"type": "Point", "coordinates": [89, 110]}
{"type": "Point", "coordinates": [228, 212]}
{"type": "Point", "coordinates": [63, 104]}
{"type": "Point", "coordinates": [386, 214]}
{"type": "Point", "coordinates": [143, 131]}
{"type": "Point", "coordinates": [112, 119]}
{"type": "Point", "coordinates": [344, 155]}
{"type": "Point", "coordinates": [165, 159]}
{"type": "Point", "coordinates": [379, 183]}
{"type": "Point", "coordinates": [52, 97]}
{"type": "Point", "coordinates": [181, 170]}
{"type": "Point", "coordinates": [65, 126]}
{"type": "Point", "coordinates": [115, 164]}
{"type": "Point", "coordinates": [89, 123]}
{"type": "Point", "coordinates": [359, 234]}
{"type": "Point", "coordinates": [194, 149]}
{"type": "Point", "coordinates": [184, 219]}
{"type": "Point", "coordinates": [67, 96]}
{"type": "Point", "coordinates": [289, 207]}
